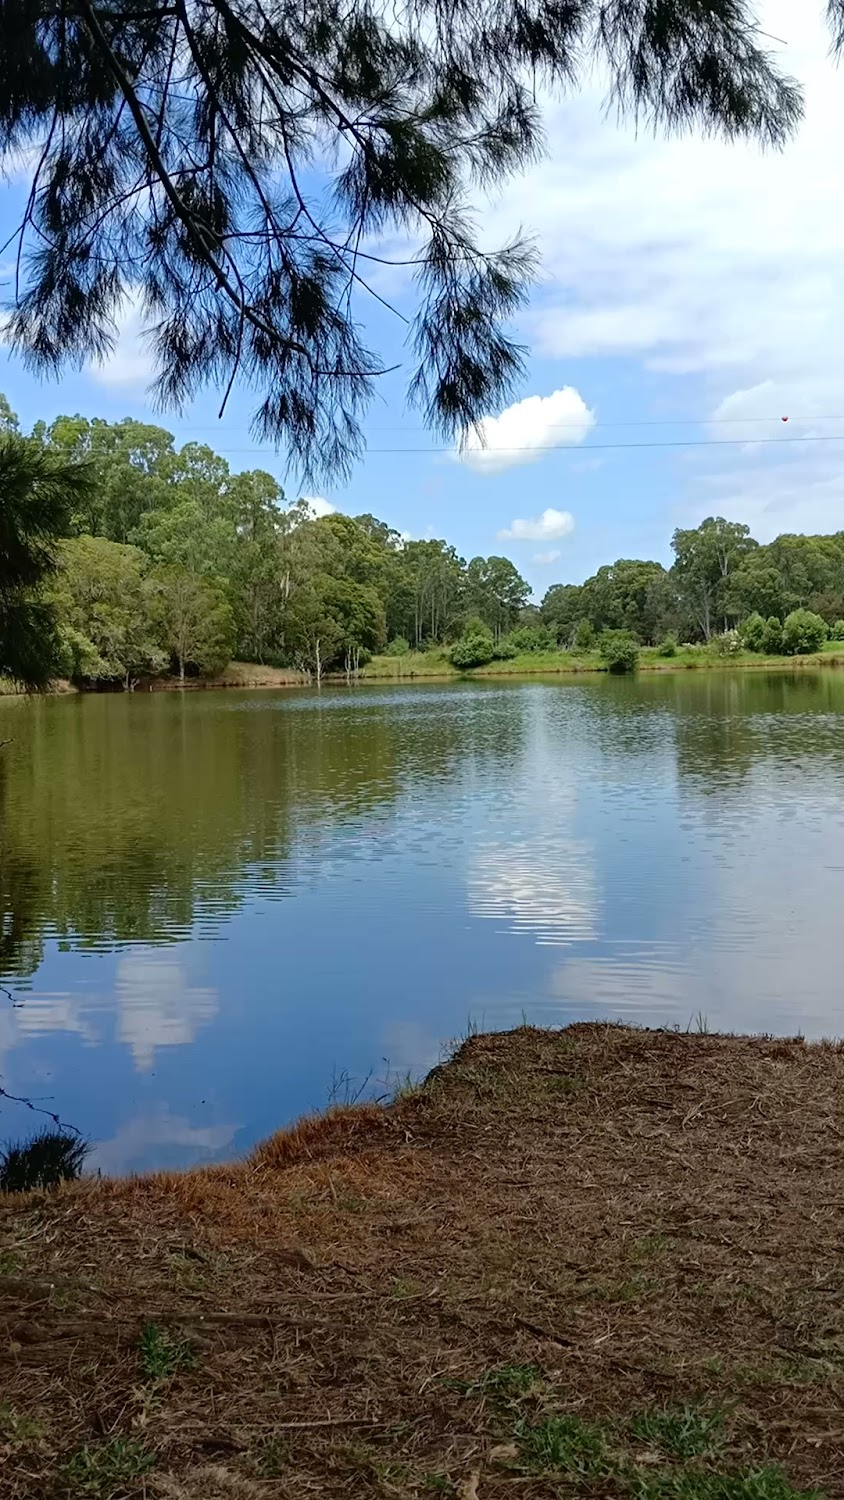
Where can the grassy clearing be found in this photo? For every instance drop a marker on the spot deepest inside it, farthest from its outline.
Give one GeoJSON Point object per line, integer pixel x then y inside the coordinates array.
{"type": "Point", "coordinates": [435, 664]}
{"type": "Point", "coordinates": [488, 1290]}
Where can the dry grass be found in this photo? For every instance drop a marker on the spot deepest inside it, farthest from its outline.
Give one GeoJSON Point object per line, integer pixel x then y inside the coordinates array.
{"type": "Point", "coordinates": [598, 1262]}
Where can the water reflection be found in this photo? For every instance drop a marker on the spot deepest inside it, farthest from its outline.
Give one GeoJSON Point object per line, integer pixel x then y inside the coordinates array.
{"type": "Point", "coordinates": [212, 904]}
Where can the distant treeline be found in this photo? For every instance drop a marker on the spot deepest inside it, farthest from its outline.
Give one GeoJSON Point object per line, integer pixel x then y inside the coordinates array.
{"type": "Point", "coordinates": [173, 564]}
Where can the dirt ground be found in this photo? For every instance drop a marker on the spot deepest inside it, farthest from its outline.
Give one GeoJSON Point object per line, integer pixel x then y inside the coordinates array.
{"type": "Point", "coordinates": [595, 1262]}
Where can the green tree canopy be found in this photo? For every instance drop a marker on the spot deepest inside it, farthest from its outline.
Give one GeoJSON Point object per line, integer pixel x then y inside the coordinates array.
{"type": "Point", "coordinates": [38, 492]}
{"type": "Point", "coordinates": [170, 151]}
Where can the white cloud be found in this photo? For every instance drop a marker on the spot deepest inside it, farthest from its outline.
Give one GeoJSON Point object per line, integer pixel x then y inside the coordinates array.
{"type": "Point", "coordinates": [526, 430]}
{"type": "Point", "coordinates": [551, 526]}
{"type": "Point", "coordinates": [130, 363]}
{"type": "Point", "coordinates": [319, 505]}
{"type": "Point", "coordinates": [545, 559]}
{"type": "Point", "coordinates": [695, 257]}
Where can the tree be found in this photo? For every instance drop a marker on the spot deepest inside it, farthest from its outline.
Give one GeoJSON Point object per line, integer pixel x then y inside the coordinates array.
{"type": "Point", "coordinates": [562, 609]}
{"type": "Point", "coordinates": [106, 608]}
{"type": "Point", "coordinates": [37, 494]}
{"type": "Point", "coordinates": [772, 639]}
{"type": "Point", "coordinates": [803, 633]}
{"type": "Point", "coordinates": [705, 557]}
{"type": "Point", "coordinates": [171, 150]}
{"type": "Point", "coordinates": [496, 592]}
{"type": "Point", "coordinates": [196, 621]}
{"type": "Point", "coordinates": [753, 633]}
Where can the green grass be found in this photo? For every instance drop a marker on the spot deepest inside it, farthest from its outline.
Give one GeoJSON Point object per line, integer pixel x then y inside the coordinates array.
{"type": "Point", "coordinates": [681, 1433]}
{"type": "Point", "coordinates": [531, 663]}
{"type": "Point", "coordinates": [162, 1353]}
{"type": "Point", "coordinates": [10, 1262]}
{"type": "Point", "coordinates": [18, 1430]}
{"type": "Point", "coordinates": [103, 1471]}
{"type": "Point", "coordinates": [511, 1381]}
{"type": "Point", "coordinates": [563, 1445]}
{"type": "Point", "coordinates": [768, 1483]}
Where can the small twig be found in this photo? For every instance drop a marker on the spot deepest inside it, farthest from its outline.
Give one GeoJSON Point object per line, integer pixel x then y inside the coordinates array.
{"type": "Point", "coordinates": [329, 1422]}
{"type": "Point", "coordinates": [6, 742]}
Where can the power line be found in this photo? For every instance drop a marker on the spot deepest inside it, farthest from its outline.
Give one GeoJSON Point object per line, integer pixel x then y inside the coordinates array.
{"type": "Point", "coordinates": [582, 448]}
{"type": "Point", "coordinates": [598, 426]}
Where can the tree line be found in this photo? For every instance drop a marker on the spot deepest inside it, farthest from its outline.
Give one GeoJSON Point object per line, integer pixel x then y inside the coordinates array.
{"type": "Point", "coordinates": [125, 557]}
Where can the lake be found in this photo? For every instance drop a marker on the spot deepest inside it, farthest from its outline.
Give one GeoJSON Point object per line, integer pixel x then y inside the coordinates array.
{"type": "Point", "coordinates": [219, 910]}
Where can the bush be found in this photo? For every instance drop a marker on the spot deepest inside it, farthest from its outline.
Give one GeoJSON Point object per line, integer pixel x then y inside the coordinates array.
{"type": "Point", "coordinates": [667, 646]}
{"type": "Point", "coordinates": [49, 1158]}
{"type": "Point", "coordinates": [474, 649]}
{"type": "Point", "coordinates": [803, 633]}
{"type": "Point", "coordinates": [725, 644]}
{"type": "Point", "coordinates": [619, 650]}
{"type": "Point", "coordinates": [772, 639]}
{"type": "Point", "coordinates": [505, 650]}
{"type": "Point", "coordinates": [753, 633]}
{"type": "Point", "coordinates": [584, 636]}
{"type": "Point", "coordinates": [837, 631]}
{"type": "Point", "coordinates": [532, 638]}
{"type": "Point", "coordinates": [398, 646]}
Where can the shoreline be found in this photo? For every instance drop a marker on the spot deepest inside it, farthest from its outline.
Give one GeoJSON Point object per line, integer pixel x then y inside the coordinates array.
{"type": "Point", "coordinates": [247, 677]}
{"type": "Point", "coordinates": [540, 1269]}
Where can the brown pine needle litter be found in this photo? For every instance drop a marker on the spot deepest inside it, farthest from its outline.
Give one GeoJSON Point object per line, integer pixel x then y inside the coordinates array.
{"type": "Point", "coordinates": [593, 1262]}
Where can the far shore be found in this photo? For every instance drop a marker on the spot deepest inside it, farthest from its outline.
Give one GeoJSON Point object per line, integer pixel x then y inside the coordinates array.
{"type": "Point", "coordinates": [434, 666]}
{"type": "Point", "coordinates": [595, 1262]}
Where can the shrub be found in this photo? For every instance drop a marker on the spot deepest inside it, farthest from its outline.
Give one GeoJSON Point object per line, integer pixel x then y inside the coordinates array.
{"type": "Point", "coordinates": [398, 646]}
{"type": "Point", "coordinates": [772, 639]}
{"type": "Point", "coordinates": [474, 649]}
{"type": "Point", "coordinates": [532, 638]}
{"type": "Point", "coordinates": [803, 633]}
{"type": "Point", "coordinates": [667, 646]}
{"type": "Point", "coordinates": [505, 649]}
{"type": "Point", "coordinates": [837, 631]}
{"type": "Point", "coordinates": [49, 1158]}
{"type": "Point", "coordinates": [619, 650]}
{"type": "Point", "coordinates": [753, 633]}
{"type": "Point", "coordinates": [725, 644]}
{"type": "Point", "coordinates": [584, 636]}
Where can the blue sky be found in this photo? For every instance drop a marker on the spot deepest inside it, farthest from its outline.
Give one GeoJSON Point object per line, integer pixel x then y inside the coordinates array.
{"type": "Point", "coordinates": [690, 292]}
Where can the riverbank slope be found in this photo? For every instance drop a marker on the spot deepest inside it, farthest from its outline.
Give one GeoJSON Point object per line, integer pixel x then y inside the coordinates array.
{"type": "Point", "coordinates": [597, 1262]}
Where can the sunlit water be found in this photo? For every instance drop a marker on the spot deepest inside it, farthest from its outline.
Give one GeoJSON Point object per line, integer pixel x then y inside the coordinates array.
{"type": "Point", "coordinates": [217, 906]}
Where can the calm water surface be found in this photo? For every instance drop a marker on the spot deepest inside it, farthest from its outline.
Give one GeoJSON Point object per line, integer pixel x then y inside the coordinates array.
{"type": "Point", "coordinates": [213, 906]}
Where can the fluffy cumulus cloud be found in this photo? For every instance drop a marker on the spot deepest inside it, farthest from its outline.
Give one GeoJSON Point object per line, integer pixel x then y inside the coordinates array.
{"type": "Point", "coordinates": [320, 506]}
{"type": "Point", "coordinates": [526, 430]}
{"type": "Point", "coordinates": [129, 365]}
{"type": "Point", "coordinates": [545, 559]}
{"type": "Point", "coordinates": [551, 526]}
{"type": "Point", "coordinates": [717, 263]}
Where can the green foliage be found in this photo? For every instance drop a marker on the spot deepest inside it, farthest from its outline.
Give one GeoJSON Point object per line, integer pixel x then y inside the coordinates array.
{"type": "Point", "coordinates": [563, 1445]}
{"type": "Point", "coordinates": [772, 638]}
{"type": "Point", "coordinates": [705, 559]}
{"type": "Point", "coordinates": [105, 603]}
{"type": "Point", "coordinates": [668, 645]}
{"type": "Point", "coordinates": [102, 1471]}
{"type": "Point", "coordinates": [474, 649]}
{"type": "Point", "coordinates": [194, 620]}
{"type": "Point", "coordinates": [37, 494]}
{"type": "Point", "coordinates": [753, 633]}
{"type": "Point", "coordinates": [725, 643]}
{"type": "Point", "coordinates": [767, 1483]}
{"type": "Point", "coordinates": [51, 1157]}
{"type": "Point", "coordinates": [803, 633]}
{"type": "Point", "coordinates": [245, 260]}
{"type": "Point", "coordinates": [837, 631]}
{"type": "Point", "coordinates": [505, 649]}
{"type": "Point", "coordinates": [161, 1353]}
{"type": "Point", "coordinates": [619, 651]}
{"type": "Point", "coordinates": [684, 1432]}
{"type": "Point", "coordinates": [584, 636]}
{"type": "Point", "coordinates": [527, 638]}
{"type": "Point", "coordinates": [398, 646]}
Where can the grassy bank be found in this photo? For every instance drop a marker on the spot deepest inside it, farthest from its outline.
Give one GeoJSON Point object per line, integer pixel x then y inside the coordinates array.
{"type": "Point", "coordinates": [597, 1262]}
{"type": "Point", "coordinates": [538, 663]}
